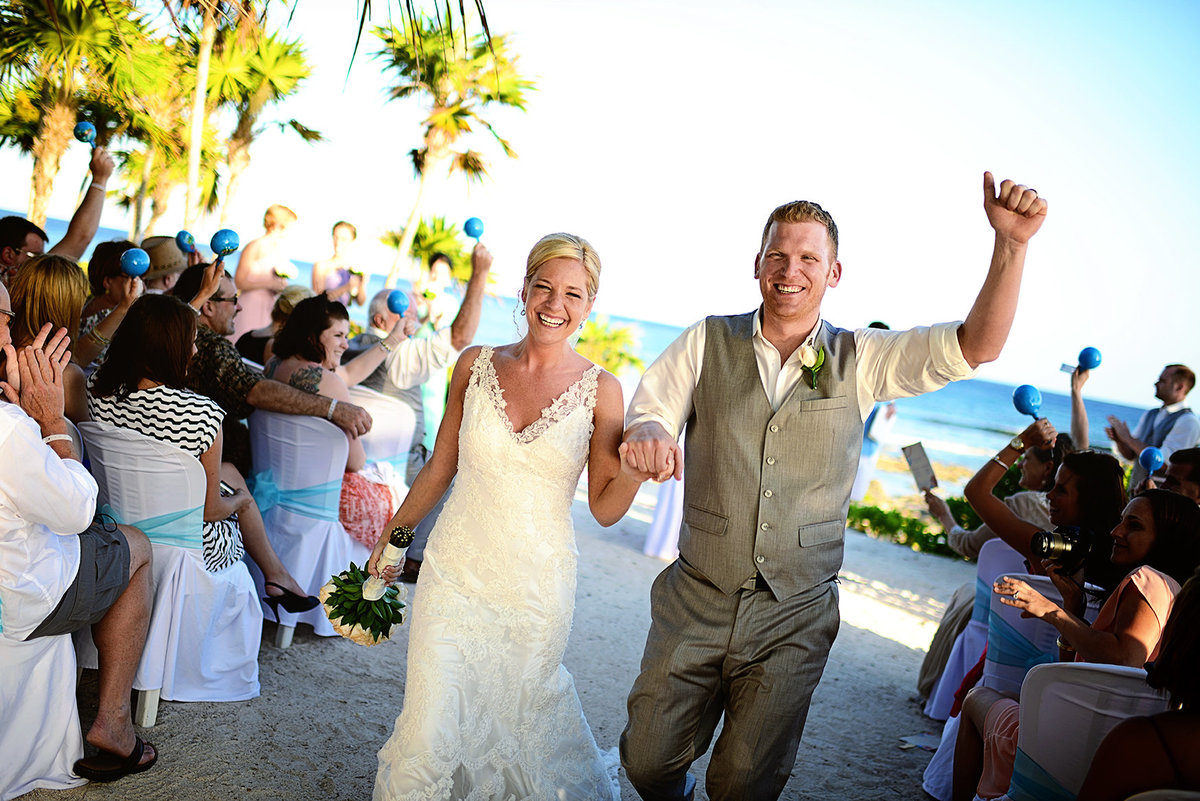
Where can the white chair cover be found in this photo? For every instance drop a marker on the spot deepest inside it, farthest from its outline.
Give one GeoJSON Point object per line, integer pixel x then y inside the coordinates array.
{"type": "Point", "coordinates": [938, 778]}
{"type": "Point", "coordinates": [1066, 709]}
{"type": "Point", "coordinates": [995, 559]}
{"type": "Point", "coordinates": [298, 466]}
{"type": "Point", "coordinates": [1016, 644]}
{"type": "Point", "coordinates": [40, 737]}
{"type": "Point", "coordinates": [205, 628]}
{"type": "Point", "coordinates": [392, 427]}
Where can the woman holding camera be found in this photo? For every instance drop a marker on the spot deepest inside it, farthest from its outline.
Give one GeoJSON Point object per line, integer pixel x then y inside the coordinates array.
{"type": "Point", "coordinates": [1158, 542]}
{"type": "Point", "coordinates": [1088, 493]}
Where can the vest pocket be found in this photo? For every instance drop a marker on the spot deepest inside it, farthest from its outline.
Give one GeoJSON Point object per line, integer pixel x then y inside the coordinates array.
{"type": "Point", "coordinates": [822, 404]}
{"type": "Point", "coordinates": [708, 522]}
{"type": "Point", "coordinates": [817, 533]}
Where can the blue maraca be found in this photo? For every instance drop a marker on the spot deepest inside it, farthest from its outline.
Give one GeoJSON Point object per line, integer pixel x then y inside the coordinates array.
{"type": "Point", "coordinates": [1089, 359]}
{"type": "Point", "coordinates": [397, 302]}
{"type": "Point", "coordinates": [474, 228]}
{"type": "Point", "coordinates": [1028, 400]}
{"type": "Point", "coordinates": [85, 132]}
{"type": "Point", "coordinates": [135, 262]}
{"type": "Point", "coordinates": [224, 242]}
{"type": "Point", "coordinates": [185, 241]}
{"type": "Point", "coordinates": [1151, 459]}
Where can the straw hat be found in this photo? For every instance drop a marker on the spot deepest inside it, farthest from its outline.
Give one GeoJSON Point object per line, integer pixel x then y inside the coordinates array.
{"type": "Point", "coordinates": [165, 257]}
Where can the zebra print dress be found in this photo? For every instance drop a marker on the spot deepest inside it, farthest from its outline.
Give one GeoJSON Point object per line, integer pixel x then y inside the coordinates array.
{"type": "Point", "coordinates": [188, 421]}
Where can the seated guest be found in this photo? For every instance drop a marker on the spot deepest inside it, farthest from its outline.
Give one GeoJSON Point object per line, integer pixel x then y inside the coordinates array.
{"type": "Point", "coordinates": [1158, 543]}
{"type": "Point", "coordinates": [1183, 473]}
{"type": "Point", "coordinates": [113, 293]}
{"type": "Point", "coordinates": [21, 240]}
{"type": "Point", "coordinates": [218, 372]}
{"type": "Point", "coordinates": [1151, 753]}
{"type": "Point", "coordinates": [142, 386]}
{"type": "Point", "coordinates": [167, 263]}
{"type": "Point", "coordinates": [54, 580]}
{"type": "Point", "coordinates": [308, 355]}
{"type": "Point", "coordinates": [51, 290]}
{"type": "Point", "coordinates": [1038, 468]}
{"type": "Point", "coordinates": [1088, 492]}
{"type": "Point", "coordinates": [256, 345]}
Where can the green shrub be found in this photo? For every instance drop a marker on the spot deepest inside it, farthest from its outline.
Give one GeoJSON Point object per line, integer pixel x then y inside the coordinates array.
{"type": "Point", "coordinates": [889, 524]}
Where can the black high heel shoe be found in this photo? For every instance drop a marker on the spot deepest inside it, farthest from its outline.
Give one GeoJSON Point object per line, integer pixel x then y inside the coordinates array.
{"type": "Point", "coordinates": [290, 601]}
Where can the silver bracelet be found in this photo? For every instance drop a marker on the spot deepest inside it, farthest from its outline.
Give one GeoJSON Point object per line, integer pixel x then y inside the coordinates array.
{"type": "Point", "coordinates": [332, 406]}
{"type": "Point", "coordinates": [997, 460]}
{"type": "Point", "coordinates": [57, 438]}
{"type": "Point", "coordinates": [97, 186]}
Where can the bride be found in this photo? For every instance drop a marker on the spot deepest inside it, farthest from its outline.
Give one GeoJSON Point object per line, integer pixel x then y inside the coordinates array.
{"type": "Point", "coordinates": [489, 710]}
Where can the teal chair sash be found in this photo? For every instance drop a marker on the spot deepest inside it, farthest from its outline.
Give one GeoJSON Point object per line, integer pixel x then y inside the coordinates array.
{"type": "Point", "coordinates": [1007, 646]}
{"type": "Point", "coordinates": [319, 502]}
{"type": "Point", "coordinates": [983, 601]}
{"type": "Point", "coordinates": [183, 528]}
{"type": "Point", "coordinates": [1031, 782]}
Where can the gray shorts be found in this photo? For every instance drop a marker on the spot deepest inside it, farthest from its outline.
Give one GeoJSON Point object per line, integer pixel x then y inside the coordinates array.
{"type": "Point", "coordinates": [103, 575]}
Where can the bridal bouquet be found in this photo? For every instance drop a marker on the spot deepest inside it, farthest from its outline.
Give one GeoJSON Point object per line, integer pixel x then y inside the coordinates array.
{"type": "Point", "coordinates": [364, 622]}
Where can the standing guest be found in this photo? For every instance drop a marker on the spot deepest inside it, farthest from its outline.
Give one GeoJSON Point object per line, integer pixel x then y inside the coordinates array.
{"type": "Point", "coordinates": [308, 354]}
{"type": "Point", "coordinates": [262, 270]}
{"type": "Point", "coordinates": [256, 345]}
{"type": "Point", "coordinates": [21, 240]}
{"type": "Point", "coordinates": [414, 362]}
{"type": "Point", "coordinates": [217, 370]}
{"type": "Point", "coordinates": [774, 401]}
{"type": "Point", "coordinates": [337, 276]}
{"type": "Point", "coordinates": [50, 290]}
{"type": "Point", "coordinates": [1170, 427]}
{"type": "Point", "coordinates": [54, 580]}
{"type": "Point", "coordinates": [1151, 753]}
{"type": "Point", "coordinates": [142, 386]}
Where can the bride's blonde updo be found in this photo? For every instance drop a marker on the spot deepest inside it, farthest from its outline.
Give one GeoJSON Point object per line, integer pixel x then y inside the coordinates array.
{"type": "Point", "coordinates": [565, 246]}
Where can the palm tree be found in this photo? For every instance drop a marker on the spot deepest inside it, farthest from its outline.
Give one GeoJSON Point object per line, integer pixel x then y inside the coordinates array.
{"type": "Point", "coordinates": [269, 72]}
{"type": "Point", "coordinates": [53, 62]}
{"type": "Point", "coordinates": [458, 79]}
{"type": "Point", "coordinates": [435, 235]}
{"type": "Point", "coordinates": [613, 347]}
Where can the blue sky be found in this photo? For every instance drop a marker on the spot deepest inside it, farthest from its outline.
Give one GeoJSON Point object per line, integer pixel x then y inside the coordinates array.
{"type": "Point", "coordinates": [665, 133]}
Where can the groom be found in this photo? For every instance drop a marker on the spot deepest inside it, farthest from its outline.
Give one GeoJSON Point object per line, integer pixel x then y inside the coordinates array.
{"type": "Point", "coordinates": [774, 401]}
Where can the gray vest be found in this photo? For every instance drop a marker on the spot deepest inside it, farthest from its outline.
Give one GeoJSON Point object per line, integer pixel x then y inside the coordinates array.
{"type": "Point", "coordinates": [767, 491]}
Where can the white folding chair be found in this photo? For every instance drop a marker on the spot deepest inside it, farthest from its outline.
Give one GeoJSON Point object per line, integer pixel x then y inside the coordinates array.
{"type": "Point", "coordinates": [40, 737]}
{"type": "Point", "coordinates": [392, 427]}
{"type": "Point", "coordinates": [205, 628]}
{"type": "Point", "coordinates": [297, 481]}
{"type": "Point", "coordinates": [1066, 710]}
{"type": "Point", "coordinates": [995, 559]}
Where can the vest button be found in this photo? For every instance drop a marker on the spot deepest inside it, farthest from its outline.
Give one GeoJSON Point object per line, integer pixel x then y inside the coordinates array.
{"type": "Point", "coordinates": [770, 460]}
{"type": "Point", "coordinates": [765, 526]}
{"type": "Point", "coordinates": [767, 493]}
{"type": "Point", "coordinates": [760, 559]}
{"type": "Point", "coordinates": [774, 428]}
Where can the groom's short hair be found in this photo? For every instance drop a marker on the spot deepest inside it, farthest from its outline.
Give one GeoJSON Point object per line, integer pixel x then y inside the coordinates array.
{"type": "Point", "coordinates": [799, 211]}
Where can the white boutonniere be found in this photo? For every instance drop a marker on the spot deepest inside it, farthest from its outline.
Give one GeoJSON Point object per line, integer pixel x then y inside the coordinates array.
{"type": "Point", "coordinates": [812, 359]}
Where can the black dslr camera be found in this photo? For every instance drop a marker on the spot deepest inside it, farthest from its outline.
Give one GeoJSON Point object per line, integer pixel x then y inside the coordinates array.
{"type": "Point", "coordinates": [1066, 545]}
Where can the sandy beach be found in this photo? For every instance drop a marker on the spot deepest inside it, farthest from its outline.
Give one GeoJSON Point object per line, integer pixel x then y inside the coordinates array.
{"type": "Point", "coordinates": [327, 705]}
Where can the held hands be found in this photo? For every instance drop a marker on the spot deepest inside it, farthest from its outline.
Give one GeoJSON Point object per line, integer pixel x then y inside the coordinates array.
{"type": "Point", "coordinates": [129, 288]}
{"type": "Point", "coordinates": [1015, 592]}
{"type": "Point", "coordinates": [1117, 430]}
{"type": "Point", "coordinates": [1079, 377]}
{"type": "Point", "coordinates": [939, 509]}
{"type": "Point", "coordinates": [102, 165]}
{"type": "Point", "coordinates": [209, 284]}
{"type": "Point", "coordinates": [649, 451]}
{"type": "Point", "coordinates": [1016, 213]}
{"type": "Point", "coordinates": [389, 573]}
{"type": "Point", "coordinates": [1070, 587]}
{"type": "Point", "coordinates": [1039, 434]}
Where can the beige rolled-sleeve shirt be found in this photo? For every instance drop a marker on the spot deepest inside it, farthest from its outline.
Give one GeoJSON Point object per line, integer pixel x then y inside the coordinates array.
{"type": "Point", "coordinates": [888, 365]}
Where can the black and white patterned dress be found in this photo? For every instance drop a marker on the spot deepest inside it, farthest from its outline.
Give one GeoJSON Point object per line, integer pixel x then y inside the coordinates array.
{"type": "Point", "coordinates": [188, 421]}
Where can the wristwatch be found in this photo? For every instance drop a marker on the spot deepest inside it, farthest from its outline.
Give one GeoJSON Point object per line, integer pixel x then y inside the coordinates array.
{"type": "Point", "coordinates": [1017, 444]}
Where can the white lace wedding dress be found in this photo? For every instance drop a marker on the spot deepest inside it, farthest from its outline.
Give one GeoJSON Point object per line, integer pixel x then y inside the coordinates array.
{"type": "Point", "coordinates": [489, 710]}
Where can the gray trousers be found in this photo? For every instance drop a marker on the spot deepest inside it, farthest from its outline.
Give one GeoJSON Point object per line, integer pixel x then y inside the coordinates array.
{"type": "Point", "coordinates": [746, 656]}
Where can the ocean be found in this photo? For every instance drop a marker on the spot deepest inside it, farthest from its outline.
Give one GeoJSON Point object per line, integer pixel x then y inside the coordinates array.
{"type": "Point", "coordinates": [961, 425]}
